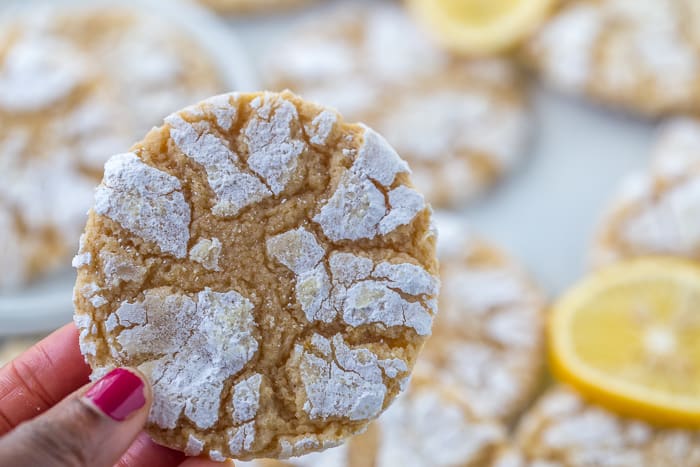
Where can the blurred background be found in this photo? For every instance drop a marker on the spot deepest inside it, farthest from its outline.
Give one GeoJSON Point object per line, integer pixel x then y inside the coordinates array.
{"type": "Point", "coordinates": [522, 126]}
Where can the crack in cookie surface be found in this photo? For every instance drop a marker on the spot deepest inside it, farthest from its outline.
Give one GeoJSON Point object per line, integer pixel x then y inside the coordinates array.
{"type": "Point", "coordinates": [78, 84]}
{"type": "Point", "coordinates": [263, 335]}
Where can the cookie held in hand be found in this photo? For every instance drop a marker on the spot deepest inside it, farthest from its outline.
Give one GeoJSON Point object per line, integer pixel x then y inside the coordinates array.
{"type": "Point", "coordinates": [268, 266]}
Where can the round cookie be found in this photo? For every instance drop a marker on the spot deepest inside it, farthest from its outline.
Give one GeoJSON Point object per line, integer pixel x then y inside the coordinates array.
{"type": "Point", "coordinates": [657, 212]}
{"type": "Point", "coordinates": [564, 430]}
{"type": "Point", "coordinates": [268, 266]}
{"type": "Point", "coordinates": [253, 6]}
{"type": "Point", "coordinates": [77, 84]}
{"type": "Point", "coordinates": [460, 124]}
{"type": "Point", "coordinates": [641, 55]}
{"type": "Point", "coordinates": [488, 338]}
{"type": "Point", "coordinates": [429, 426]}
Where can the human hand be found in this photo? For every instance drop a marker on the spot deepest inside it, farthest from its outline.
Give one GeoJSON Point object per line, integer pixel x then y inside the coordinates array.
{"type": "Point", "coordinates": [51, 416]}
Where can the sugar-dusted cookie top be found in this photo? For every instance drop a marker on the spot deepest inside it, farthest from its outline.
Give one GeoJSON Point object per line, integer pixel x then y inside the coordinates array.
{"type": "Point", "coordinates": [479, 370]}
{"type": "Point", "coordinates": [564, 429]}
{"type": "Point", "coordinates": [428, 426]}
{"type": "Point", "coordinates": [657, 211]}
{"type": "Point", "coordinates": [488, 340]}
{"type": "Point", "coordinates": [78, 83]}
{"type": "Point", "coordinates": [461, 124]}
{"type": "Point", "coordinates": [268, 266]}
{"type": "Point", "coordinates": [640, 55]}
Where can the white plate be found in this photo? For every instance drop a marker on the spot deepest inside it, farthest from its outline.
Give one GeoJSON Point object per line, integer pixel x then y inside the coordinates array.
{"type": "Point", "coordinates": [48, 304]}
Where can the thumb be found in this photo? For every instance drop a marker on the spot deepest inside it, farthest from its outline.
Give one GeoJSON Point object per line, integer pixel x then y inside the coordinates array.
{"type": "Point", "coordinates": [92, 427]}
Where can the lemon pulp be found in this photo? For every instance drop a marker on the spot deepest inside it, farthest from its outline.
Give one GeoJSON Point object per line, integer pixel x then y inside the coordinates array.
{"type": "Point", "coordinates": [629, 338]}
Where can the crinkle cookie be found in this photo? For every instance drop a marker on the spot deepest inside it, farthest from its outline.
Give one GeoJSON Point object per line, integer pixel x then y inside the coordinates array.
{"type": "Point", "coordinates": [658, 211]}
{"type": "Point", "coordinates": [429, 426]}
{"type": "Point", "coordinates": [488, 339]}
{"type": "Point", "coordinates": [253, 6]}
{"type": "Point", "coordinates": [460, 124]}
{"type": "Point", "coordinates": [640, 55]}
{"type": "Point", "coordinates": [268, 266]}
{"type": "Point", "coordinates": [76, 85]}
{"type": "Point", "coordinates": [562, 430]}
{"type": "Point", "coordinates": [479, 369]}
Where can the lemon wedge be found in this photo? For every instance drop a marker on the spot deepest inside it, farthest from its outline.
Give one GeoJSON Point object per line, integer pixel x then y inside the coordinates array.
{"type": "Point", "coordinates": [480, 27]}
{"type": "Point", "coordinates": [628, 338]}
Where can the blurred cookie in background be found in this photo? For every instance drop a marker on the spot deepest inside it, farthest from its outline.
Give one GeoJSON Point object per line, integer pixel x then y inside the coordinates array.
{"type": "Point", "coordinates": [254, 6]}
{"type": "Point", "coordinates": [657, 212]}
{"type": "Point", "coordinates": [564, 430]}
{"type": "Point", "coordinates": [429, 426]}
{"type": "Point", "coordinates": [488, 338]}
{"type": "Point", "coordinates": [462, 125]}
{"type": "Point", "coordinates": [76, 86]}
{"type": "Point", "coordinates": [478, 371]}
{"type": "Point", "coordinates": [640, 55]}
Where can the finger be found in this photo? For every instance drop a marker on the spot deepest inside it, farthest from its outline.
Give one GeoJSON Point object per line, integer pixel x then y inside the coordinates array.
{"type": "Point", "coordinates": [41, 377]}
{"type": "Point", "coordinates": [145, 453]}
{"type": "Point", "coordinates": [93, 427]}
{"type": "Point", "coordinates": [200, 462]}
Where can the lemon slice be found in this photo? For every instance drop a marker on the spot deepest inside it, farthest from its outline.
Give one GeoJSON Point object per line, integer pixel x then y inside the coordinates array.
{"type": "Point", "coordinates": [628, 338]}
{"type": "Point", "coordinates": [481, 27]}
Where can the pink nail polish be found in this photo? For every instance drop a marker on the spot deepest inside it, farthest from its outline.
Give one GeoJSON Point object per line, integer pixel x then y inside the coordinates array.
{"type": "Point", "coordinates": [118, 394]}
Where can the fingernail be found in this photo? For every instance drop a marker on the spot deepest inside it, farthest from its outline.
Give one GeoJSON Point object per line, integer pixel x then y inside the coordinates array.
{"type": "Point", "coordinates": [118, 394]}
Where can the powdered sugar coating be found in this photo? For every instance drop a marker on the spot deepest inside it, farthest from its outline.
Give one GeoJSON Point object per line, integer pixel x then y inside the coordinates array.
{"type": "Point", "coordinates": [458, 121]}
{"type": "Point", "coordinates": [145, 201]}
{"type": "Point", "coordinates": [354, 211]}
{"type": "Point", "coordinates": [188, 383]}
{"type": "Point", "coordinates": [427, 427]}
{"type": "Point", "coordinates": [117, 270]}
{"type": "Point", "coordinates": [563, 428]}
{"type": "Point", "coordinates": [405, 203]}
{"type": "Point", "coordinates": [219, 107]}
{"type": "Point", "coordinates": [235, 189]}
{"type": "Point", "coordinates": [638, 55]}
{"type": "Point", "coordinates": [80, 260]}
{"type": "Point", "coordinates": [306, 444]}
{"type": "Point", "coordinates": [273, 149]}
{"type": "Point", "coordinates": [241, 438]}
{"type": "Point", "coordinates": [677, 146]}
{"type": "Point", "coordinates": [339, 381]}
{"type": "Point", "coordinates": [206, 252]}
{"type": "Point", "coordinates": [38, 72]}
{"type": "Point", "coordinates": [358, 208]}
{"type": "Point", "coordinates": [84, 325]}
{"type": "Point", "coordinates": [225, 332]}
{"type": "Point", "coordinates": [370, 302]}
{"type": "Point", "coordinates": [334, 457]}
{"type": "Point", "coordinates": [297, 249]}
{"type": "Point", "coordinates": [567, 42]}
{"type": "Point", "coordinates": [489, 334]}
{"type": "Point", "coordinates": [352, 290]}
{"type": "Point", "coordinates": [408, 278]}
{"type": "Point", "coordinates": [79, 83]}
{"type": "Point", "coordinates": [656, 212]}
{"type": "Point", "coordinates": [378, 160]}
{"type": "Point", "coordinates": [321, 127]}
{"type": "Point", "coordinates": [246, 398]}
{"type": "Point", "coordinates": [194, 446]}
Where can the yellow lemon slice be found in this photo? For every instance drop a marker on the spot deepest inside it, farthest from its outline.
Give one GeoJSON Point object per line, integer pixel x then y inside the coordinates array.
{"type": "Point", "coordinates": [480, 27]}
{"type": "Point", "coordinates": [628, 338]}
